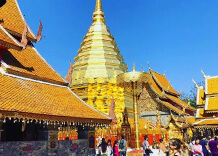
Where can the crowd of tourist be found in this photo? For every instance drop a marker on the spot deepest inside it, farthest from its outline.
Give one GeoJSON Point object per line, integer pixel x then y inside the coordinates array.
{"type": "Point", "coordinates": [119, 148]}
{"type": "Point", "coordinates": [204, 147]}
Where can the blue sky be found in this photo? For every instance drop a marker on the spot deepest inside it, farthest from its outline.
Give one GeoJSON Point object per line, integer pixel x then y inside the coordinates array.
{"type": "Point", "coordinates": [178, 37]}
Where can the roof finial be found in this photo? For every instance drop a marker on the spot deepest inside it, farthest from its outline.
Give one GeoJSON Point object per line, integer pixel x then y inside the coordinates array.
{"type": "Point", "coordinates": [142, 69]}
{"type": "Point", "coordinates": [196, 85]}
{"type": "Point", "coordinates": [148, 65]}
{"type": "Point", "coordinates": [181, 92]}
{"type": "Point", "coordinates": [98, 15]}
{"type": "Point", "coordinates": [133, 68]}
{"type": "Point", "coordinates": [203, 73]}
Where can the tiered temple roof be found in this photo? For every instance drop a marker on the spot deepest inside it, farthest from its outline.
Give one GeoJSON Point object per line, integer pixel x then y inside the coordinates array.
{"type": "Point", "coordinates": [167, 95]}
{"type": "Point", "coordinates": [99, 56]}
{"type": "Point", "coordinates": [207, 100]}
{"type": "Point", "coordinates": [29, 87]}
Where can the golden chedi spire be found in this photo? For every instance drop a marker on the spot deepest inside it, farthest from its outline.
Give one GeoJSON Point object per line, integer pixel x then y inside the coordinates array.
{"type": "Point", "coordinates": [98, 56]}
{"type": "Point", "coordinates": [98, 15]}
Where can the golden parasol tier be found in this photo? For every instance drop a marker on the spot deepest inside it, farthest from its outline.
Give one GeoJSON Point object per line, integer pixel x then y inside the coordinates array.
{"type": "Point", "coordinates": [133, 79]}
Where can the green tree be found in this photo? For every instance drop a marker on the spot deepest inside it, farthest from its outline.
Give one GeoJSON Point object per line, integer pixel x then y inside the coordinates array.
{"type": "Point", "coordinates": [192, 95]}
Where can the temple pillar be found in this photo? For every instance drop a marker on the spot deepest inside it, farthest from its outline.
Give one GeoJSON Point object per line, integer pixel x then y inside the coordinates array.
{"type": "Point", "coordinates": [52, 140]}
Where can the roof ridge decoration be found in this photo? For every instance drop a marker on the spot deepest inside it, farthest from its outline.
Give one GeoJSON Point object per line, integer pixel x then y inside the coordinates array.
{"type": "Point", "coordinates": [196, 85]}
{"type": "Point", "coordinates": [39, 33]}
{"type": "Point", "coordinates": [142, 69]}
{"type": "Point", "coordinates": [24, 36]}
{"type": "Point", "coordinates": [204, 76]}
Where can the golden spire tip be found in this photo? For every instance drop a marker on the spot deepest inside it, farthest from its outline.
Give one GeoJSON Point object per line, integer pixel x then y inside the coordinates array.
{"type": "Point", "coordinates": [98, 6]}
{"type": "Point", "coordinates": [133, 68]}
{"type": "Point", "coordinates": [203, 73]}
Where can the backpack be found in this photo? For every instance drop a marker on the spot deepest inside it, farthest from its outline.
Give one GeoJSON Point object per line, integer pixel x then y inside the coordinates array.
{"type": "Point", "coordinates": [121, 144]}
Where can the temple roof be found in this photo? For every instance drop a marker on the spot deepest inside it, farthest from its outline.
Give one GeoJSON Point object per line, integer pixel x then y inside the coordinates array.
{"type": "Point", "coordinates": [8, 41]}
{"type": "Point", "coordinates": [163, 82]}
{"type": "Point", "coordinates": [207, 123]}
{"type": "Point", "coordinates": [22, 98]}
{"type": "Point", "coordinates": [99, 56]}
{"type": "Point", "coordinates": [29, 63]}
{"type": "Point", "coordinates": [29, 87]}
{"type": "Point", "coordinates": [167, 96]}
{"type": "Point", "coordinates": [207, 100]}
{"type": "Point", "coordinates": [14, 21]}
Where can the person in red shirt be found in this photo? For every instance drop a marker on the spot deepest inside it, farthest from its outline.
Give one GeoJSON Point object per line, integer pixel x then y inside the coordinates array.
{"type": "Point", "coordinates": [115, 148]}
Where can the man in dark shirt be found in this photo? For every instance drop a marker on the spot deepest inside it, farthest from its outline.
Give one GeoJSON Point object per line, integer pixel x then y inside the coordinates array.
{"type": "Point", "coordinates": [203, 143]}
{"type": "Point", "coordinates": [213, 147]}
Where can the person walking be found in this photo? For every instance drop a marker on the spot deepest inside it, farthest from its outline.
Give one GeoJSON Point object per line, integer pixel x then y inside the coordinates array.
{"type": "Point", "coordinates": [122, 146]}
{"type": "Point", "coordinates": [185, 149]}
{"type": "Point", "coordinates": [175, 146]}
{"type": "Point", "coordinates": [110, 149]}
{"type": "Point", "coordinates": [146, 146]}
{"type": "Point", "coordinates": [115, 148]}
{"type": "Point", "coordinates": [203, 143]}
{"type": "Point", "coordinates": [162, 148]}
{"type": "Point", "coordinates": [103, 148]}
{"type": "Point", "coordinates": [213, 147]}
{"type": "Point", "coordinates": [198, 148]}
{"type": "Point", "coordinates": [191, 145]}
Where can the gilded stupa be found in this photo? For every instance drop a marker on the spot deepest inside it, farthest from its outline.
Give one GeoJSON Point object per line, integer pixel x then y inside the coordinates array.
{"type": "Point", "coordinates": [98, 56]}
{"type": "Point", "coordinates": [96, 66]}
{"type": "Point", "coordinates": [96, 74]}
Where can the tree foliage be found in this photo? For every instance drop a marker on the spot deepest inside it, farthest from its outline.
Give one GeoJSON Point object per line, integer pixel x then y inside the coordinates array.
{"type": "Point", "coordinates": [192, 95]}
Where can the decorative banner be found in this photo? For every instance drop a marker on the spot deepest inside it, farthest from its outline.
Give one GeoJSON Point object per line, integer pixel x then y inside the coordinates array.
{"type": "Point", "coordinates": [53, 142]}
{"type": "Point", "coordinates": [53, 138]}
{"type": "Point", "coordinates": [91, 140]}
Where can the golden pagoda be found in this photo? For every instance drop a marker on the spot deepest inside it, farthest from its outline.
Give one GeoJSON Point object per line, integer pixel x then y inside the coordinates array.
{"type": "Point", "coordinates": [96, 74]}
{"type": "Point", "coordinates": [96, 66]}
{"type": "Point", "coordinates": [207, 108]}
